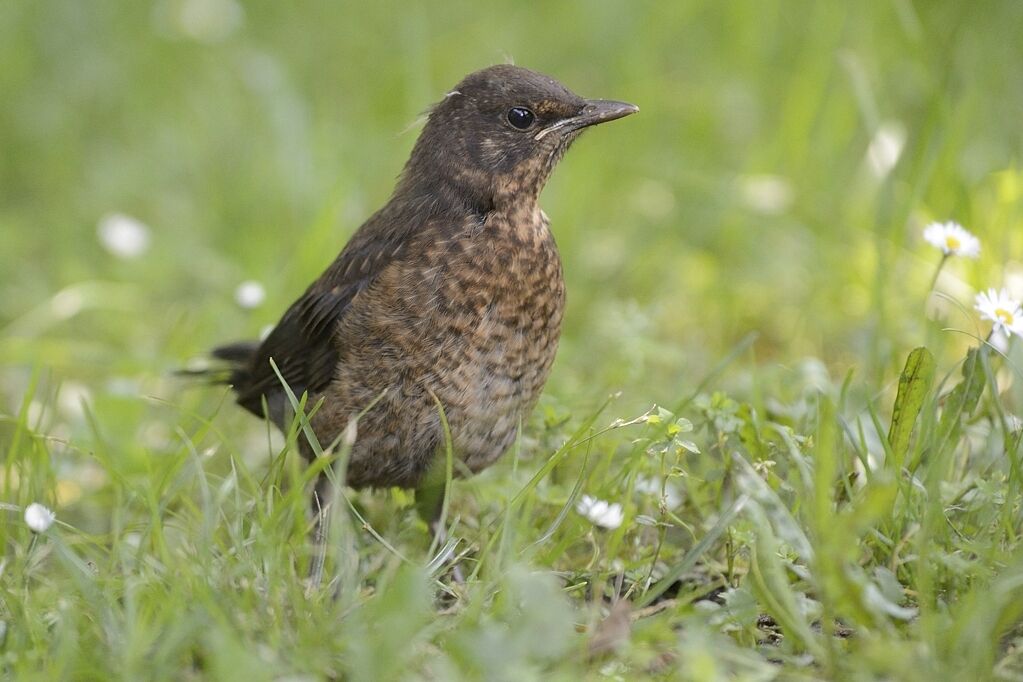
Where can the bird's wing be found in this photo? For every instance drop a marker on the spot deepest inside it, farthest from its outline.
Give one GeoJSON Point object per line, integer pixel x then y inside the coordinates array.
{"type": "Point", "coordinates": [302, 344]}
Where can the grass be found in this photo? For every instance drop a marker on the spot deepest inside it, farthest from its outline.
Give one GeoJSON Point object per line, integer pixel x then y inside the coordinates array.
{"type": "Point", "coordinates": [813, 497]}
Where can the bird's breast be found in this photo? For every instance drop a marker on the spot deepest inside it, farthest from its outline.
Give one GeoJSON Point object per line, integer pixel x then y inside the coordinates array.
{"type": "Point", "coordinates": [470, 318]}
{"type": "Point", "coordinates": [501, 300]}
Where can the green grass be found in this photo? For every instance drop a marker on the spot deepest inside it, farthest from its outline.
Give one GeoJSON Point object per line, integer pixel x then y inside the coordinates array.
{"type": "Point", "coordinates": [730, 257]}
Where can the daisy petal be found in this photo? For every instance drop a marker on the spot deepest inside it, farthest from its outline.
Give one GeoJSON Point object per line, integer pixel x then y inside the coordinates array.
{"type": "Point", "coordinates": [38, 518]}
{"type": "Point", "coordinates": [1003, 311]}
{"type": "Point", "coordinates": [600, 513]}
{"type": "Point", "coordinates": [952, 239]}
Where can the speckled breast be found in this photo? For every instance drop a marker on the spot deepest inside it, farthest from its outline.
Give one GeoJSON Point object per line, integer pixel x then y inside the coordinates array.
{"type": "Point", "coordinates": [514, 278]}
{"type": "Point", "coordinates": [472, 322]}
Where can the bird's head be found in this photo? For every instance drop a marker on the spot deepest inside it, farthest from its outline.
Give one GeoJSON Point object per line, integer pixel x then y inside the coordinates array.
{"type": "Point", "coordinates": [498, 134]}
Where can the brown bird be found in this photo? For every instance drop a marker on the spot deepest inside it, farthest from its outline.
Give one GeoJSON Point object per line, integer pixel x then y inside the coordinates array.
{"type": "Point", "coordinates": [450, 293]}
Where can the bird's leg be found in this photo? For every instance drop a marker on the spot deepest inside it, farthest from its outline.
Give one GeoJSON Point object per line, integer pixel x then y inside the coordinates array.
{"type": "Point", "coordinates": [440, 538]}
{"type": "Point", "coordinates": [430, 506]}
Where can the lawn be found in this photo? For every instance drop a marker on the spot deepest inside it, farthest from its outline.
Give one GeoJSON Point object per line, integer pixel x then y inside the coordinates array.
{"type": "Point", "coordinates": [779, 440]}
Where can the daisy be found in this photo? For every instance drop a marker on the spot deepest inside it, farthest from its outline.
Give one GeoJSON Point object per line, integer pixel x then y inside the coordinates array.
{"type": "Point", "coordinates": [953, 239]}
{"type": "Point", "coordinates": [123, 236]}
{"type": "Point", "coordinates": [600, 513]}
{"type": "Point", "coordinates": [1002, 310]}
{"type": "Point", "coordinates": [38, 518]}
{"type": "Point", "coordinates": [250, 294]}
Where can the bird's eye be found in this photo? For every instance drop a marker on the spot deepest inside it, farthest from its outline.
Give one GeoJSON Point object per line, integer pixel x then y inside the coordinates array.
{"type": "Point", "coordinates": [520, 117]}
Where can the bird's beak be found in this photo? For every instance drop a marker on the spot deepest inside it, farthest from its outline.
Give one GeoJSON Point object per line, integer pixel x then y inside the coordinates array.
{"type": "Point", "coordinates": [595, 111]}
{"type": "Point", "coordinates": [601, 111]}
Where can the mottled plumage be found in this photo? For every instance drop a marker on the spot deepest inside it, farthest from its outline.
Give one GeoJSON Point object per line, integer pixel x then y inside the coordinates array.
{"type": "Point", "coordinates": [452, 290]}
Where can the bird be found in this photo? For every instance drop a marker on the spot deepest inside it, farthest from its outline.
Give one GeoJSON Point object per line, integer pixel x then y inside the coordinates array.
{"type": "Point", "coordinates": [446, 304]}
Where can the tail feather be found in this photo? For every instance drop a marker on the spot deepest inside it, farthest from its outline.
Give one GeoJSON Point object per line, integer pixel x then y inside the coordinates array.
{"type": "Point", "coordinates": [238, 355]}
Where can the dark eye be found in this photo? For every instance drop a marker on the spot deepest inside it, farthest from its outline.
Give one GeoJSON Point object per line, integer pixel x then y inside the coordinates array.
{"type": "Point", "coordinates": [520, 117]}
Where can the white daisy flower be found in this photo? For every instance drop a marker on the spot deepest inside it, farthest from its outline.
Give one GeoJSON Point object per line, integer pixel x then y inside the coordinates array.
{"type": "Point", "coordinates": [250, 294]}
{"type": "Point", "coordinates": [953, 239]}
{"type": "Point", "coordinates": [38, 518]}
{"type": "Point", "coordinates": [1002, 310]}
{"type": "Point", "coordinates": [123, 236]}
{"type": "Point", "coordinates": [600, 513]}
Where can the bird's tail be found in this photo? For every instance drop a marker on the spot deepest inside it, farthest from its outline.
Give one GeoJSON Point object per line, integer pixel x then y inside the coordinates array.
{"type": "Point", "coordinates": [237, 356]}
{"type": "Point", "coordinates": [237, 353]}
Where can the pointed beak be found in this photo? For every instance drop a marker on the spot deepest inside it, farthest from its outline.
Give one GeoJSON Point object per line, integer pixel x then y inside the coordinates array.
{"type": "Point", "coordinates": [601, 111]}
{"type": "Point", "coordinates": [593, 112]}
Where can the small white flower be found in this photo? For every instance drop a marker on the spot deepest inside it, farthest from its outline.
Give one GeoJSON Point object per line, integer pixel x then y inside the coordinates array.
{"type": "Point", "coordinates": [1002, 310]}
{"type": "Point", "coordinates": [886, 148]}
{"type": "Point", "coordinates": [250, 294]}
{"type": "Point", "coordinates": [953, 239]}
{"type": "Point", "coordinates": [38, 518]}
{"type": "Point", "coordinates": [600, 513]}
{"type": "Point", "coordinates": [122, 235]}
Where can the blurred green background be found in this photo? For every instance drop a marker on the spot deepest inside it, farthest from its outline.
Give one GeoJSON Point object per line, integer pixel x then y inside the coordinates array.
{"type": "Point", "coordinates": [156, 154]}
{"type": "Point", "coordinates": [786, 157]}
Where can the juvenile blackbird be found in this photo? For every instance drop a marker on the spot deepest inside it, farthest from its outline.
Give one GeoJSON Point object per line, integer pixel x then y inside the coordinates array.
{"type": "Point", "coordinates": [450, 293]}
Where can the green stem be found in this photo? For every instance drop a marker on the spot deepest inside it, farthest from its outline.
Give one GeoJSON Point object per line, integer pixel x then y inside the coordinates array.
{"type": "Point", "coordinates": [937, 271]}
